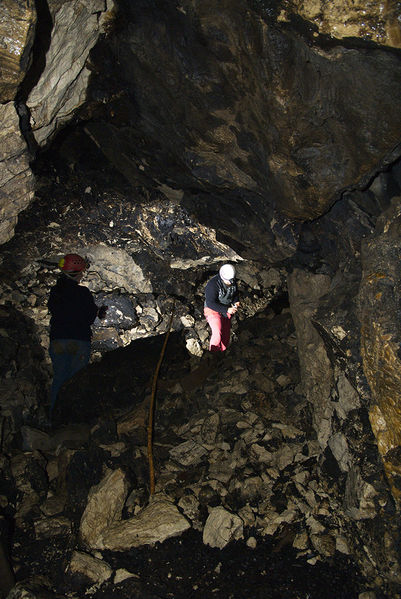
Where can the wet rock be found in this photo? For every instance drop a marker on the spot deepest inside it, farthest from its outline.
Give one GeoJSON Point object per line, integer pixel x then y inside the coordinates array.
{"type": "Point", "coordinates": [367, 22]}
{"type": "Point", "coordinates": [17, 29]}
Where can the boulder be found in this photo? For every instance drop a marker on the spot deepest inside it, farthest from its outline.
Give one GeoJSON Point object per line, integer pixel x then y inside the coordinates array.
{"type": "Point", "coordinates": [156, 522]}
{"type": "Point", "coordinates": [222, 527]}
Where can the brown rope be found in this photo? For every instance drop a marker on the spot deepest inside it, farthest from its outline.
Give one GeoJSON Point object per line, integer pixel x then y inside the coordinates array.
{"type": "Point", "coordinates": [152, 407]}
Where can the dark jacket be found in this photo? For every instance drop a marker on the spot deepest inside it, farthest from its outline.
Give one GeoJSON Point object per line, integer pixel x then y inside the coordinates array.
{"type": "Point", "coordinates": [72, 310]}
{"type": "Point", "coordinates": [218, 296]}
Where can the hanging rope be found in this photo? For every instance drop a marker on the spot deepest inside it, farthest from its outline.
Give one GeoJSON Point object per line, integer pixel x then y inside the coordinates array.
{"type": "Point", "coordinates": [152, 407]}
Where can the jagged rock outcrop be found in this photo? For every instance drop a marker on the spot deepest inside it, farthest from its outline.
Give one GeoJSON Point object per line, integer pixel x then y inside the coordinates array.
{"type": "Point", "coordinates": [374, 21]}
{"type": "Point", "coordinates": [62, 85]}
{"type": "Point", "coordinates": [16, 178]}
{"type": "Point", "coordinates": [305, 290]}
{"type": "Point", "coordinates": [275, 122]}
{"type": "Point", "coordinates": [17, 31]}
{"type": "Point", "coordinates": [379, 298]}
{"type": "Point", "coordinates": [55, 68]}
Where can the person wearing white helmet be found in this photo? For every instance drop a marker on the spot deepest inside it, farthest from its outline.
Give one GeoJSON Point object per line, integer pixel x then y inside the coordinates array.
{"type": "Point", "coordinates": [221, 302]}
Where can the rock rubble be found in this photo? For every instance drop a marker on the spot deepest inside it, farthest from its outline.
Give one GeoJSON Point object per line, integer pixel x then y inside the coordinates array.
{"type": "Point", "coordinates": [233, 461]}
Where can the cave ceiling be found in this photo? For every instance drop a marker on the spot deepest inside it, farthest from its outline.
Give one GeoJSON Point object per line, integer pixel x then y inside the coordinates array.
{"type": "Point", "coordinates": [256, 116]}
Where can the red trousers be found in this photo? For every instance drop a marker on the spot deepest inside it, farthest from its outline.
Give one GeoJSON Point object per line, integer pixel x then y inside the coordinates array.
{"type": "Point", "coordinates": [221, 326]}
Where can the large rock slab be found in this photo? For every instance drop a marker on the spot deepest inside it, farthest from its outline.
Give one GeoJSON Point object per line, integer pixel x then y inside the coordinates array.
{"type": "Point", "coordinates": [105, 503]}
{"type": "Point", "coordinates": [16, 178]}
{"type": "Point", "coordinates": [17, 29]}
{"type": "Point", "coordinates": [260, 117]}
{"type": "Point", "coordinates": [156, 522]}
{"type": "Point", "coordinates": [305, 290]}
{"type": "Point", "coordinates": [61, 89]}
{"type": "Point", "coordinates": [222, 527]}
{"type": "Point", "coordinates": [379, 298]}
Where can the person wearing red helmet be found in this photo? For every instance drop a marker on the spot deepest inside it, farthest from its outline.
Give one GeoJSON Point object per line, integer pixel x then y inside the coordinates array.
{"type": "Point", "coordinates": [221, 302]}
{"type": "Point", "coordinates": [73, 310]}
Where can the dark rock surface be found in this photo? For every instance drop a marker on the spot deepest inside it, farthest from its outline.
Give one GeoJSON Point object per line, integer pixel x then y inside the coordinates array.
{"type": "Point", "coordinates": [252, 134]}
{"type": "Point", "coordinates": [260, 460]}
{"type": "Point", "coordinates": [232, 103]}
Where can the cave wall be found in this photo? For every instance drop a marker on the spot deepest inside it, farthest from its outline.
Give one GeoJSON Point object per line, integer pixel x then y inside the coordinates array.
{"type": "Point", "coordinates": [276, 109]}
{"type": "Point", "coordinates": [379, 298]}
{"type": "Point", "coordinates": [44, 80]}
{"type": "Point", "coordinates": [252, 106]}
{"type": "Point", "coordinates": [242, 124]}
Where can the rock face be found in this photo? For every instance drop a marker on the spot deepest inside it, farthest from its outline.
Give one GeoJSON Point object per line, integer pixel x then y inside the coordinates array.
{"type": "Point", "coordinates": [62, 86]}
{"type": "Point", "coordinates": [55, 66]}
{"type": "Point", "coordinates": [17, 30]}
{"type": "Point", "coordinates": [16, 178]}
{"type": "Point", "coordinates": [305, 289]}
{"type": "Point", "coordinates": [241, 103]}
{"type": "Point", "coordinates": [381, 337]}
{"type": "Point", "coordinates": [374, 21]}
{"type": "Point", "coordinates": [283, 123]}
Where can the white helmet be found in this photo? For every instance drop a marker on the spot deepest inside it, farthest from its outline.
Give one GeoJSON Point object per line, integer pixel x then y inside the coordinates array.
{"type": "Point", "coordinates": [227, 272]}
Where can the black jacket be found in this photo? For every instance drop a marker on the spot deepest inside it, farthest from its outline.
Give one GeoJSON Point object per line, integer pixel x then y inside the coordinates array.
{"type": "Point", "coordinates": [72, 309]}
{"type": "Point", "coordinates": [219, 297]}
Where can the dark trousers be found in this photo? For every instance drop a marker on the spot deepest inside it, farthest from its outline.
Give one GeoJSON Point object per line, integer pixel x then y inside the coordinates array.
{"type": "Point", "coordinates": [67, 356]}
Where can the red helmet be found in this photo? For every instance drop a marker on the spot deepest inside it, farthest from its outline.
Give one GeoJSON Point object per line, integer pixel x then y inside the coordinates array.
{"type": "Point", "coordinates": [73, 263]}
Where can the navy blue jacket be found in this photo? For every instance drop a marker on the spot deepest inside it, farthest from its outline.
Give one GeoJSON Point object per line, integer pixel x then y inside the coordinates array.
{"type": "Point", "coordinates": [219, 297]}
{"type": "Point", "coordinates": [72, 310]}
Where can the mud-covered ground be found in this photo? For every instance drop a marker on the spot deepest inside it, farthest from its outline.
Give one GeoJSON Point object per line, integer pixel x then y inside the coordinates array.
{"type": "Point", "coordinates": [184, 568]}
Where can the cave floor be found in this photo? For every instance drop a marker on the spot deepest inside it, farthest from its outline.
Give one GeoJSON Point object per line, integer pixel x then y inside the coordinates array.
{"type": "Point", "coordinates": [185, 567]}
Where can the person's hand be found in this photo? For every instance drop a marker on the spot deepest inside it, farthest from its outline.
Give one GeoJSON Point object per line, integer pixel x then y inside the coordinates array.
{"type": "Point", "coordinates": [231, 310]}
{"type": "Point", "coordinates": [101, 313]}
{"type": "Point", "coordinates": [237, 305]}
